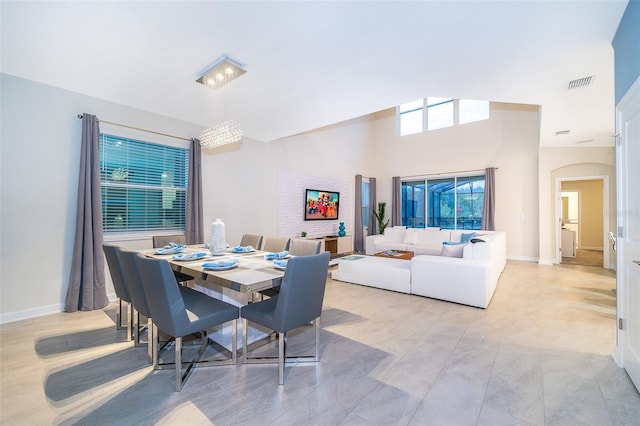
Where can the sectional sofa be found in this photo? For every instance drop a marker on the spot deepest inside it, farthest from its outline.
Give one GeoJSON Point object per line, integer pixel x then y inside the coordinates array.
{"type": "Point", "coordinates": [443, 267]}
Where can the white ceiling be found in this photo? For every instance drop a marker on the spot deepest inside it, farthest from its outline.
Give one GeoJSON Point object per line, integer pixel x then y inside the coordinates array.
{"type": "Point", "coordinates": [312, 64]}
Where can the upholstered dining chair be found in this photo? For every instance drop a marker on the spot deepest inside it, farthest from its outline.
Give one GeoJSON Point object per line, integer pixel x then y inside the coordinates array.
{"type": "Point", "coordinates": [275, 244]}
{"type": "Point", "coordinates": [302, 247]}
{"type": "Point", "coordinates": [299, 302]}
{"type": "Point", "coordinates": [179, 317]}
{"type": "Point", "coordinates": [163, 240]}
{"type": "Point", "coordinates": [251, 240]}
{"type": "Point", "coordinates": [133, 280]}
{"type": "Point", "coordinates": [111, 254]}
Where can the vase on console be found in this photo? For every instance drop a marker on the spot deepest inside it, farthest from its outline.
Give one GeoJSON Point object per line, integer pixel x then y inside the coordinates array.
{"type": "Point", "coordinates": [341, 231]}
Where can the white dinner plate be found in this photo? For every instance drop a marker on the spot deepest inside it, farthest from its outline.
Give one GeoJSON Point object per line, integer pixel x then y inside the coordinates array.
{"type": "Point", "coordinates": [282, 268]}
{"type": "Point", "coordinates": [242, 251]}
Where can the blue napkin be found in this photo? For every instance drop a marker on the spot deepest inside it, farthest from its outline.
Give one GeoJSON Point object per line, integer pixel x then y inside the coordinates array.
{"type": "Point", "coordinates": [241, 249]}
{"type": "Point", "coordinates": [280, 263]}
{"type": "Point", "coordinates": [189, 256]}
{"type": "Point", "coordinates": [273, 256]}
{"type": "Point", "coordinates": [172, 248]}
{"type": "Point", "coordinates": [220, 264]}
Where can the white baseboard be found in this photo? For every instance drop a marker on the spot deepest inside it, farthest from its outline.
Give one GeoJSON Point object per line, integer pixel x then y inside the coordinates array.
{"type": "Point", "coordinates": [31, 313]}
{"type": "Point", "coordinates": [549, 262]}
{"type": "Point", "coordinates": [523, 258]}
{"type": "Point", "coordinates": [39, 311]}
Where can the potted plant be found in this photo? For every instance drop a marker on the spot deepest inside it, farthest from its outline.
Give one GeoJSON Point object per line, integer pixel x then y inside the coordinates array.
{"type": "Point", "coordinates": [382, 224]}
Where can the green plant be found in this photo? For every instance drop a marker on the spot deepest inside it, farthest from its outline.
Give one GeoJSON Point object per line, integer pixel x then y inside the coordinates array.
{"type": "Point", "coordinates": [382, 224]}
{"type": "Point", "coordinates": [303, 234]}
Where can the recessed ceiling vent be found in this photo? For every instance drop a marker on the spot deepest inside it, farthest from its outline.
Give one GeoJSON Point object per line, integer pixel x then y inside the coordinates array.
{"type": "Point", "coordinates": [580, 83]}
{"type": "Point", "coordinates": [562, 132]}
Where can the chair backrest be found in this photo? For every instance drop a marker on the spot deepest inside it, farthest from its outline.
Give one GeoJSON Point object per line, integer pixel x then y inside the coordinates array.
{"type": "Point", "coordinates": [163, 295]}
{"type": "Point", "coordinates": [133, 281]}
{"type": "Point", "coordinates": [251, 240]}
{"type": "Point", "coordinates": [163, 240]}
{"type": "Point", "coordinates": [302, 247]}
{"type": "Point", "coordinates": [275, 244]}
{"type": "Point", "coordinates": [301, 291]}
{"type": "Point", "coordinates": [112, 254]}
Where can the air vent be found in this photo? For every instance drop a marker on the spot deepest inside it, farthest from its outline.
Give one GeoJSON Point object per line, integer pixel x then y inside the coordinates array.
{"type": "Point", "coordinates": [580, 83]}
{"type": "Point", "coordinates": [562, 132]}
{"type": "Point", "coordinates": [585, 141]}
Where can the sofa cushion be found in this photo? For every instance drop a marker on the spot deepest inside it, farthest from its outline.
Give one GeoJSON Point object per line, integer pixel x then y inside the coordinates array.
{"type": "Point", "coordinates": [450, 249]}
{"type": "Point", "coordinates": [410, 236]}
{"type": "Point", "coordinates": [432, 238]}
{"type": "Point", "coordinates": [394, 235]}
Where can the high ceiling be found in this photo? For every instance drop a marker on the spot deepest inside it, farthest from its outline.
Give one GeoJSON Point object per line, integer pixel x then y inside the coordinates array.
{"type": "Point", "coordinates": [312, 64]}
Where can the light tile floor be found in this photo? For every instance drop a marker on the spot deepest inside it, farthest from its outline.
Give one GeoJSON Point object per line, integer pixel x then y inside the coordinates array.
{"type": "Point", "coordinates": [538, 355]}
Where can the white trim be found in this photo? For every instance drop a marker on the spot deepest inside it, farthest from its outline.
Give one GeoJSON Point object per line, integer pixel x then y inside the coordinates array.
{"type": "Point", "coordinates": [39, 311]}
{"type": "Point", "coordinates": [549, 262]}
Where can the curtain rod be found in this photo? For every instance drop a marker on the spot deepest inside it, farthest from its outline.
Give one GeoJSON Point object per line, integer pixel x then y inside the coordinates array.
{"type": "Point", "coordinates": [446, 173]}
{"type": "Point", "coordinates": [142, 130]}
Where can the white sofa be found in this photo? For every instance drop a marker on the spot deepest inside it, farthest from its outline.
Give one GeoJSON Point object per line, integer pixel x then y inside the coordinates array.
{"type": "Point", "coordinates": [419, 241]}
{"type": "Point", "coordinates": [469, 280]}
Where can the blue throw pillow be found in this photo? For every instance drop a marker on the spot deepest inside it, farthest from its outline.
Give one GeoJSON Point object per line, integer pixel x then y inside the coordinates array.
{"type": "Point", "coordinates": [465, 238]}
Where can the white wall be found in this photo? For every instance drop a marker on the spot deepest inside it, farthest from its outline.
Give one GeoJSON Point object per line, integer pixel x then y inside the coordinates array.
{"type": "Point", "coordinates": [40, 151]}
{"type": "Point", "coordinates": [508, 140]}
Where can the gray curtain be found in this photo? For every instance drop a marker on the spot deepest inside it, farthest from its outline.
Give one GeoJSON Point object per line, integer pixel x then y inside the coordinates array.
{"type": "Point", "coordinates": [358, 235]}
{"type": "Point", "coordinates": [87, 289]}
{"type": "Point", "coordinates": [489, 209]}
{"type": "Point", "coordinates": [194, 226]}
{"type": "Point", "coordinates": [373, 206]}
{"type": "Point", "coordinates": [396, 202]}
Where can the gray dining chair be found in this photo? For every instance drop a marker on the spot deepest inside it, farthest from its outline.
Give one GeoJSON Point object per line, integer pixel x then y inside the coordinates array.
{"type": "Point", "coordinates": [133, 280]}
{"type": "Point", "coordinates": [302, 247]}
{"type": "Point", "coordinates": [163, 240]}
{"type": "Point", "coordinates": [179, 317]}
{"type": "Point", "coordinates": [111, 254]}
{"type": "Point", "coordinates": [275, 244]}
{"type": "Point", "coordinates": [298, 303]}
{"type": "Point", "coordinates": [251, 240]}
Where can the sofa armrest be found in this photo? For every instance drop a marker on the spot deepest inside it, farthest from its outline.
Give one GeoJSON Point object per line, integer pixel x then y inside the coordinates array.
{"type": "Point", "coordinates": [370, 243]}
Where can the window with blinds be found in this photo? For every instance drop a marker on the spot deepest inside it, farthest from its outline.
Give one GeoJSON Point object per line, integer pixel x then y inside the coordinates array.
{"type": "Point", "coordinates": [144, 185]}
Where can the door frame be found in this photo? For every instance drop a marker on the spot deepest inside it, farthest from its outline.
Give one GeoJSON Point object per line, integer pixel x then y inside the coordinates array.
{"type": "Point", "coordinates": [605, 219]}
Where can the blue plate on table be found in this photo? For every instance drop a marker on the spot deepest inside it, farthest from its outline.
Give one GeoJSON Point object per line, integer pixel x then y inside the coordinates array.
{"type": "Point", "coordinates": [189, 256]}
{"type": "Point", "coordinates": [240, 249]}
{"type": "Point", "coordinates": [280, 264]}
{"type": "Point", "coordinates": [220, 265]}
{"type": "Point", "coordinates": [170, 249]}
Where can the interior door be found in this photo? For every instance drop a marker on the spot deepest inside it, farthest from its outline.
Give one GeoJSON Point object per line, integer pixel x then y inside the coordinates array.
{"type": "Point", "coordinates": [628, 239]}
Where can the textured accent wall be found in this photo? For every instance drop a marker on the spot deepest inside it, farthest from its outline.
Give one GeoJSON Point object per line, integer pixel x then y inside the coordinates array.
{"type": "Point", "coordinates": [291, 189]}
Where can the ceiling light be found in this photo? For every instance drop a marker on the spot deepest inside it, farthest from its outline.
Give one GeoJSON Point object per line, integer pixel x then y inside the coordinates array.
{"type": "Point", "coordinates": [224, 70]}
{"type": "Point", "coordinates": [221, 134]}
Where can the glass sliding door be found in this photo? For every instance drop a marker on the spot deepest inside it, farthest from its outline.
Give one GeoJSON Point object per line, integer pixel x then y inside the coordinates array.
{"type": "Point", "coordinates": [441, 202]}
{"type": "Point", "coordinates": [413, 208]}
{"type": "Point", "coordinates": [469, 202]}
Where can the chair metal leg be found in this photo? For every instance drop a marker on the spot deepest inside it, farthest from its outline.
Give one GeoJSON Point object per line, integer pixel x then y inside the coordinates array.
{"type": "Point", "coordinates": [154, 347]}
{"type": "Point", "coordinates": [282, 348]}
{"type": "Point", "coordinates": [178, 361]}
{"type": "Point", "coordinates": [316, 325]}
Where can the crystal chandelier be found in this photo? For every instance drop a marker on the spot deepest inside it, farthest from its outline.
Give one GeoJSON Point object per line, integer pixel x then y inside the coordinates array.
{"type": "Point", "coordinates": [223, 72]}
{"type": "Point", "coordinates": [221, 134]}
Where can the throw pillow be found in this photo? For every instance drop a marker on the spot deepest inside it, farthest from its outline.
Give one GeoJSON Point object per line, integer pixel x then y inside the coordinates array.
{"type": "Point", "coordinates": [465, 238]}
{"type": "Point", "coordinates": [450, 249]}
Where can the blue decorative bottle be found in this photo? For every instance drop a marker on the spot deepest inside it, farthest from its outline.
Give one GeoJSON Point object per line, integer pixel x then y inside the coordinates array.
{"type": "Point", "coordinates": [341, 231]}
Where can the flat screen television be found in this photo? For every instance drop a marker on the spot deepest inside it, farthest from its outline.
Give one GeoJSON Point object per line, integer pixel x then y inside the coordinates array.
{"type": "Point", "coordinates": [321, 205]}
